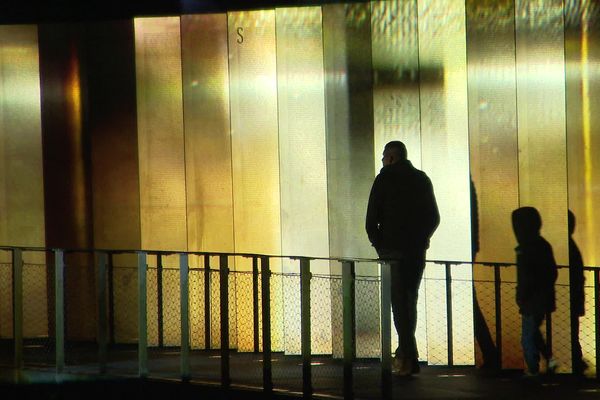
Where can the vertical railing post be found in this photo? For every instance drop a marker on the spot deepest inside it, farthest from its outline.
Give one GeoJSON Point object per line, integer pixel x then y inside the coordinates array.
{"type": "Point", "coordinates": [111, 298]}
{"type": "Point", "coordinates": [59, 309]}
{"type": "Point", "coordinates": [142, 316]}
{"type": "Point", "coordinates": [498, 312]}
{"type": "Point", "coordinates": [305, 334]}
{"type": "Point", "coordinates": [17, 264]}
{"type": "Point", "coordinates": [224, 306]}
{"type": "Point", "coordinates": [597, 317]}
{"type": "Point", "coordinates": [207, 301]}
{"type": "Point", "coordinates": [449, 312]}
{"type": "Point", "coordinates": [255, 304]}
{"type": "Point", "coordinates": [348, 325]}
{"type": "Point", "coordinates": [386, 329]}
{"type": "Point", "coordinates": [266, 323]}
{"type": "Point", "coordinates": [185, 316]}
{"type": "Point", "coordinates": [102, 311]}
{"type": "Point", "coordinates": [159, 300]}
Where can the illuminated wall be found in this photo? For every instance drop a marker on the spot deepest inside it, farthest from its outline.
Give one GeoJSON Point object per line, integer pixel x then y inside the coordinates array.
{"type": "Point", "coordinates": [262, 131]}
{"type": "Point", "coordinates": [21, 183]}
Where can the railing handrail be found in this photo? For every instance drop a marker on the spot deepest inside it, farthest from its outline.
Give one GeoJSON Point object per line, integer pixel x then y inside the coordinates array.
{"type": "Point", "coordinates": [261, 255]}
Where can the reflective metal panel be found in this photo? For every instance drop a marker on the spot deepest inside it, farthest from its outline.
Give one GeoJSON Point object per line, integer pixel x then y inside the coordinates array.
{"type": "Point", "coordinates": [302, 155]}
{"type": "Point", "coordinates": [542, 140]}
{"type": "Point", "coordinates": [111, 120]}
{"type": "Point", "coordinates": [253, 99]}
{"type": "Point", "coordinates": [160, 133]}
{"type": "Point", "coordinates": [396, 108]}
{"type": "Point", "coordinates": [493, 154]}
{"type": "Point", "coordinates": [445, 143]}
{"type": "Point", "coordinates": [21, 176]}
{"type": "Point", "coordinates": [582, 53]}
{"type": "Point", "coordinates": [349, 105]}
{"type": "Point", "coordinates": [254, 139]}
{"type": "Point", "coordinates": [207, 134]}
{"type": "Point", "coordinates": [350, 166]}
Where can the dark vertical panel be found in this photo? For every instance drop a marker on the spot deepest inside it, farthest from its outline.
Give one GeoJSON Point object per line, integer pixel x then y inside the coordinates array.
{"type": "Point", "coordinates": [112, 125]}
{"type": "Point", "coordinates": [67, 194]}
{"type": "Point", "coordinates": [112, 128]}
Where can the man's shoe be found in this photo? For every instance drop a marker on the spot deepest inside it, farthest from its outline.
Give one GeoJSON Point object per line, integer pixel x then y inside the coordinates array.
{"type": "Point", "coordinates": [401, 367]}
{"type": "Point", "coordinates": [551, 366]}
{"type": "Point", "coordinates": [416, 368]}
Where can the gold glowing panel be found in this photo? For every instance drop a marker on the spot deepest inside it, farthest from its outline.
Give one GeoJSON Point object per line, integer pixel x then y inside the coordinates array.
{"type": "Point", "coordinates": [493, 128]}
{"type": "Point", "coordinates": [349, 122]}
{"type": "Point", "coordinates": [445, 156]}
{"type": "Point", "coordinates": [255, 147]}
{"type": "Point", "coordinates": [207, 133]}
{"type": "Point", "coordinates": [160, 133]}
{"type": "Point", "coordinates": [396, 114]}
{"type": "Point", "coordinates": [302, 154]}
{"type": "Point", "coordinates": [582, 52]}
{"type": "Point", "coordinates": [540, 60]}
{"type": "Point", "coordinates": [21, 176]}
{"type": "Point", "coordinates": [493, 144]}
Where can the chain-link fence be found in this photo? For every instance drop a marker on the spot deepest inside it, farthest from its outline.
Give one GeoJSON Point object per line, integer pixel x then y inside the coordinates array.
{"type": "Point", "coordinates": [467, 315]}
{"type": "Point", "coordinates": [7, 343]}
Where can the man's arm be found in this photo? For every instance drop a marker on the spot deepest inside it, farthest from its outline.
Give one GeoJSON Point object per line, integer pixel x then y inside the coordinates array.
{"type": "Point", "coordinates": [431, 212]}
{"type": "Point", "coordinates": [372, 219]}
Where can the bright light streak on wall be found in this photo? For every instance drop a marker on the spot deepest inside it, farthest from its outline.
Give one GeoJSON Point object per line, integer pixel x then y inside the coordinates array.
{"type": "Point", "coordinates": [445, 158]}
{"type": "Point", "coordinates": [540, 49]}
{"type": "Point", "coordinates": [302, 155]}
{"type": "Point", "coordinates": [255, 150]}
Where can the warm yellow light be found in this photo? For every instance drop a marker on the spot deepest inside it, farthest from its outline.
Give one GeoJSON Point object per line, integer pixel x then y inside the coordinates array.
{"type": "Point", "coordinates": [587, 143]}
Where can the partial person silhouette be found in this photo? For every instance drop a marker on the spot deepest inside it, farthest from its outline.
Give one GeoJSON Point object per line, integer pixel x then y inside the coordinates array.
{"type": "Point", "coordinates": [489, 352]}
{"type": "Point", "coordinates": [402, 215]}
{"type": "Point", "coordinates": [577, 297]}
{"type": "Point", "coordinates": [536, 277]}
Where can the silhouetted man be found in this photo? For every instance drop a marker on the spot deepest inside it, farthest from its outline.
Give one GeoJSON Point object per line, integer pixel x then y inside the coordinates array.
{"type": "Point", "coordinates": [401, 217]}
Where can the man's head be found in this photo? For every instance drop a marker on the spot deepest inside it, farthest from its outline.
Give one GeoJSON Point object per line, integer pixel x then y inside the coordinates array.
{"type": "Point", "coordinates": [393, 152]}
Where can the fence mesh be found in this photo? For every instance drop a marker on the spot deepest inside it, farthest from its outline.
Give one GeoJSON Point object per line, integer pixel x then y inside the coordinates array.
{"type": "Point", "coordinates": [123, 317]}
{"type": "Point", "coordinates": [472, 289]}
{"type": "Point", "coordinates": [38, 311]}
{"type": "Point", "coordinates": [81, 349]}
{"type": "Point", "coordinates": [6, 309]}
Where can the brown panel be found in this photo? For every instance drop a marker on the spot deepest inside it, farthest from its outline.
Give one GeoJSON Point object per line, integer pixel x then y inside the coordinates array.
{"type": "Point", "coordinates": [67, 193]}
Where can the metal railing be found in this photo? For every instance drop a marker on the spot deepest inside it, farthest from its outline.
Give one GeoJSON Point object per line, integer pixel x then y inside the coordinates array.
{"type": "Point", "coordinates": [261, 273]}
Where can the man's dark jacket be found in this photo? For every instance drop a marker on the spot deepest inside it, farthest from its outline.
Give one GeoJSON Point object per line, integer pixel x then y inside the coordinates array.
{"type": "Point", "coordinates": [402, 212]}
